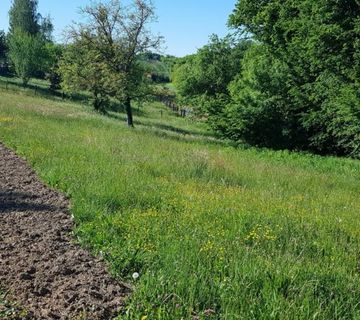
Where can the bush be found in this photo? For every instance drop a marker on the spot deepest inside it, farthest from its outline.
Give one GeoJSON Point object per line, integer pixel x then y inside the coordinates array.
{"type": "Point", "coordinates": [261, 111]}
{"type": "Point", "coordinates": [335, 127]}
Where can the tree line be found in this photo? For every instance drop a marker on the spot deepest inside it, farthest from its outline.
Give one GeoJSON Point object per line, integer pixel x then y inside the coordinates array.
{"type": "Point", "coordinates": [287, 78]}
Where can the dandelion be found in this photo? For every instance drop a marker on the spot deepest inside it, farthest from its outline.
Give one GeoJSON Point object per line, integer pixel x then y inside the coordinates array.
{"type": "Point", "coordinates": [135, 275]}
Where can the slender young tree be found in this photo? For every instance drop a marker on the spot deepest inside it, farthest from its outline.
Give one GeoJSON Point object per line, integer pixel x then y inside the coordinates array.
{"type": "Point", "coordinates": [28, 35]}
{"type": "Point", "coordinates": [27, 53]}
{"type": "Point", "coordinates": [115, 35]}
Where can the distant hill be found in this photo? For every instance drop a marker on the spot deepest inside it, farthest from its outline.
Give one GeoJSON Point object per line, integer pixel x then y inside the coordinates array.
{"type": "Point", "coordinates": [158, 66]}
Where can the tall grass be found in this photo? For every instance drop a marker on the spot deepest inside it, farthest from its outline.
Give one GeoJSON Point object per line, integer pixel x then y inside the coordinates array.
{"type": "Point", "coordinates": [214, 232]}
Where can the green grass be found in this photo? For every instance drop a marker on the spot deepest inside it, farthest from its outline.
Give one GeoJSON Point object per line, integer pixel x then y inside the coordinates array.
{"type": "Point", "coordinates": [34, 87]}
{"type": "Point", "coordinates": [215, 232]}
{"type": "Point", "coordinates": [44, 84]}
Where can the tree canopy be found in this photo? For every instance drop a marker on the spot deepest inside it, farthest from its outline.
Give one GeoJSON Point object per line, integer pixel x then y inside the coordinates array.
{"type": "Point", "coordinates": [23, 17]}
{"type": "Point", "coordinates": [202, 79]}
{"type": "Point", "coordinates": [29, 35]}
{"type": "Point", "coordinates": [297, 85]}
{"type": "Point", "coordinates": [3, 47]}
{"type": "Point", "coordinates": [111, 40]}
{"type": "Point", "coordinates": [315, 46]}
{"type": "Point", "coordinates": [27, 53]}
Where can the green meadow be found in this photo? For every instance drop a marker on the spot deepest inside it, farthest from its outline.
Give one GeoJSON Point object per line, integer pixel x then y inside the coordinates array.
{"type": "Point", "coordinates": [215, 231]}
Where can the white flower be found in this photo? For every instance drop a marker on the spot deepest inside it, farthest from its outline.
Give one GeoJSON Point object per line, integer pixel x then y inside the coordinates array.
{"type": "Point", "coordinates": [135, 275]}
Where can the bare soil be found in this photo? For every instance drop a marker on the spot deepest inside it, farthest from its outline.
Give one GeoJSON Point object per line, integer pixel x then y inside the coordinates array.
{"type": "Point", "coordinates": [41, 267]}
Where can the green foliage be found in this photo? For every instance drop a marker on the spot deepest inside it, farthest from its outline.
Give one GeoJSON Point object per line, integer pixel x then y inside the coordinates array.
{"type": "Point", "coordinates": [3, 46]}
{"type": "Point", "coordinates": [27, 54]}
{"type": "Point", "coordinates": [170, 62]}
{"type": "Point", "coordinates": [335, 128]}
{"type": "Point", "coordinates": [110, 44]}
{"type": "Point", "coordinates": [215, 232]}
{"type": "Point", "coordinates": [23, 17]}
{"type": "Point", "coordinates": [83, 69]}
{"type": "Point", "coordinates": [54, 53]}
{"type": "Point", "coordinates": [296, 88]}
{"type": "Point", "coordinates": [46, 29]}
{"type": "Point", "coordinates": [184, 75]}
{"type": "Point", "coordinates": [28, 35]}
{"type": "Point", "coordinates": [3, 54]}
{"type": "Point", "coordinates": [260, 111]}
{"type": "Point", "coordinates": [211, 69]}
{"type": "Point", "coordinates": [157, 67]}
{"type": "Point", "coordinates": [313, 51]}
{"type": "Point", "coordinates": [202, 79]}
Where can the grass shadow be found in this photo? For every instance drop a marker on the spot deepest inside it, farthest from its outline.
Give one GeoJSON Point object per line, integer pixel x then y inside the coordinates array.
{"type": "Point", "coordinates": [21, 202]}
{"type": "Point", "coordinates": [188, 137]}
{"type": "Point", "coordinates": [13, 84]}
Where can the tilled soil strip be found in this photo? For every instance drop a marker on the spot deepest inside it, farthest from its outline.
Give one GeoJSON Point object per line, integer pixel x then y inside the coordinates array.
{"type": "Point", "coordinates": [44, 271]}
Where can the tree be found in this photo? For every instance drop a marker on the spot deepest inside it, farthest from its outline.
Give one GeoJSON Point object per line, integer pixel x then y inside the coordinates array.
{"type": "Point", "coordinates": [111, 40]}
{"type": "Point", "coordinates": [27, 54]}
{"type": "Point", "coordinates": [23, 17]}
{"type": "Point", "coordinates": [157, 67]}
{"type": "Point", "coordinates": [3, 47]}
{"type": "Point", "coordinates": [82, 68]}
{"type": "Point", "coordinates": [202, 79]}
{"type": "Point", "coordinates": [315, 45]}
{"type": "Point", "coordinates": [46, 28]}
{"type": "Point", "coordinates": [28, 35]}
{"type": "Point", "coordinates": [54, 52]}
{"type": "Point", "coordinates": [259, 111]}
{"type": "Point", "coordinates": [3, 53]}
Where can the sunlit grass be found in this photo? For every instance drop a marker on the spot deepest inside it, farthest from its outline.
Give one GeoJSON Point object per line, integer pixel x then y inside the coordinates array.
{"type": "Point", "coordinates": [215, 232]}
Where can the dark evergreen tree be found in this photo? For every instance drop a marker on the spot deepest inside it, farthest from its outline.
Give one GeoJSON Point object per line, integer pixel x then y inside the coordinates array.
{"type": "Point", "coordinates": [23, 17]}
{"type": "Point", "coordinates": [3, 53]}
{"type": "Point", "coordinates": [3, 46]}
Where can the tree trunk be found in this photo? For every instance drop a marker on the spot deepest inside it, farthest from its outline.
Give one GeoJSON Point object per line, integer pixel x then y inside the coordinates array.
{"type": "Point", "coordinates": [98, 103]}
{"type": "Point", "coordinates": [25, 81]}
{"type": "Point", "coordinates": [129, 112]}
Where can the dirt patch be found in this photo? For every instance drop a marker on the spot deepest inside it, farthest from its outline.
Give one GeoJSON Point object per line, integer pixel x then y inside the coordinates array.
{"type": "Point", "coordinates": [43, 270]}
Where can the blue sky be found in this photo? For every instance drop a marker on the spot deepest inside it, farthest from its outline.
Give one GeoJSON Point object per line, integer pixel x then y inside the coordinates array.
{"type": "Point", "coordinates": [185, 24]}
